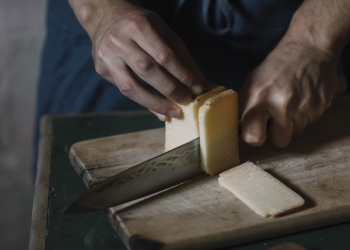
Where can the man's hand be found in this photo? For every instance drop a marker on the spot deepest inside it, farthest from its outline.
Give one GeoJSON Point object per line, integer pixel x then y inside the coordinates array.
{"type": "Point", "coordinates": [126, 39]}
{"type": "Point", "coordinates": [298, 80]}
{"type": "Point", "coordinates": [290, 89]}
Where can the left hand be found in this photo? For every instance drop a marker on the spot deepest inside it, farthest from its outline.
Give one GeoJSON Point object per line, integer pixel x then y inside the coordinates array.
{"type": "Point", "coordinates": [292, 88]}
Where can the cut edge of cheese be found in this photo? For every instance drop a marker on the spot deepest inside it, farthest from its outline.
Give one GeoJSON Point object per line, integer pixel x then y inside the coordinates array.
{"type": "Point", "coordinates": [179, 131]}
{"type": "Point", "coordinates": [218, 129]}
{"type": "Point", "coordinates": [260, 191]}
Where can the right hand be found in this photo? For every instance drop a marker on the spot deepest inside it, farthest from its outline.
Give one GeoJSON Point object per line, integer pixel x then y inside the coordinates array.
{"type": "Point", "coordinates": [126, 39]}
{"type": "Point", "coordinates": [289, 90]}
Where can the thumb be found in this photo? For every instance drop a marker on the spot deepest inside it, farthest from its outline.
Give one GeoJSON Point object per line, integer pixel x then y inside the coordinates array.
{"type": "Point", "coordinates": [161, 117]}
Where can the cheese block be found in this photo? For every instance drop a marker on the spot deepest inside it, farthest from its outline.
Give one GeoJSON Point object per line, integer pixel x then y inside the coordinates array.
{"type": "Point", "coordinates": [264, 194]}
{"type": "Point", "coordinates": [178, 131]}
{"type": "Point", "coordinates": [218, 129]}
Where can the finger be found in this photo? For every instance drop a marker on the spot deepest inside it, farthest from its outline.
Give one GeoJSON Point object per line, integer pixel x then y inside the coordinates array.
{"type": "Point", "coordinates": [129, 87]}
{"type": "Point", "coordinates": [148, 70]}
{"type": "Point", "coordinates": [102, 71]}
{"type": "Point", "coordinates": [280, 133]}
{"type": "Point", "coordinates": [254, 123]}
{"type": "Point", "coordinates": [300, 123]}
{"type": "Point", "coordinates": [309, 107]}
{"type": "Point", "coordinates": [161, 117]}
{"type": "Point", "coordinates": [175, 58]}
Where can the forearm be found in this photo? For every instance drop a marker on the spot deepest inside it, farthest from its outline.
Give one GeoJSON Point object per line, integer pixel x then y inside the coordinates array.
{"type": "Point", "coordinates": [323, 24]}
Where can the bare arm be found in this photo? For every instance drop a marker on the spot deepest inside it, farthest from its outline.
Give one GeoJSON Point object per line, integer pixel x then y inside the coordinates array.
{"type": "Point", "coordinates": [127, 38]}
{"type": "Point", "coordinates": [323, 24]}
{"type": "Point", "coordinates": [298, 80]}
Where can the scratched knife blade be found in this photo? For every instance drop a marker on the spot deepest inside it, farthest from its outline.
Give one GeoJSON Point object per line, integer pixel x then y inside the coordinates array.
{"type": "Point", "coordinates": [164, 171]}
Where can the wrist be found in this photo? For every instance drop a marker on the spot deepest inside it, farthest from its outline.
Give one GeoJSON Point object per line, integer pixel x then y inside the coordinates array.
{"type": "Point", "coordinates": [93, 14]}
{"type": "Point", "coordinates": [87, 13]}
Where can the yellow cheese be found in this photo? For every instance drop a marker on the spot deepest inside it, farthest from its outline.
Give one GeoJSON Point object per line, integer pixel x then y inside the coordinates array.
{"type": "Point", "coordinates": [260, 191]}
{"type": "Point", "coordinates": [218, 129]}
{"type": "Point", "coordinates": [184, 129]}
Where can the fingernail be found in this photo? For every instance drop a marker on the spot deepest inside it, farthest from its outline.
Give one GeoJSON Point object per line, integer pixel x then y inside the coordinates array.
{"type": "Point", "coordinates": [253, 138]}
{"type": "Point", "coordinates": [174, 113]}
{"type": "Point", "coordinates": [197, 89]}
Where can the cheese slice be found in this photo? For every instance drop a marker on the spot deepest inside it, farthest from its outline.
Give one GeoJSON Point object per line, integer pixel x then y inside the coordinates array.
{"type": "Point", "coordinates": [218, 129]}
{"type": "Point", "coordinates": [260, 191]}
{"type": "Point", "coordinates": [184, 129]}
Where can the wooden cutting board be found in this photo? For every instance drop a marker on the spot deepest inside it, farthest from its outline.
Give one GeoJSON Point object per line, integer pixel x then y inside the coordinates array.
{"type": "Point", "coordinates": [199, 214]}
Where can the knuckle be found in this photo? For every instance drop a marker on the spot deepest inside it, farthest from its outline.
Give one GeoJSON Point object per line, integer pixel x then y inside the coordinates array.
{"type": "Point", "coordinates": [100, 70]}
{"type": "Point", "coordinates": [101, 53]}
{"type": "Point", "coordinates": [304, 106]}
{"type": "Point", "coordinates": [127, 90]}
{"type": "Point", "coordinates": [140, 21]}
{"type": "Point", "coordinates": [258, 96]}
{"type": "Point", "coordinates": [110, 40]}
{"type": "Point", "coordinates": [283, 103]}
{"type": "Point", "coordinates": [143, 65]}
{"type": "Point", "coordinates": [306, 103]}
{"type": "Point", "coordinates": [163, 57]}
{"type": "Point", "coordinates": [136, 23]}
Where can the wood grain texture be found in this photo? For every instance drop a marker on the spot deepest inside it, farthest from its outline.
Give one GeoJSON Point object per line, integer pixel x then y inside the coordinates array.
{"type": "Point", "coordinates": [199, 214]}
{"type": "Point", "coordinates": [97, 159]}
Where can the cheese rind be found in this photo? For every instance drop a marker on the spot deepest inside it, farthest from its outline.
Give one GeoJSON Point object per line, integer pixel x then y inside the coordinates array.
{"type": "Point", "coordinates": [184, 129]}
{"type": "Point", "coordinates": [218, 129]}
{"type": "Point", "coordinates": [260, 191]}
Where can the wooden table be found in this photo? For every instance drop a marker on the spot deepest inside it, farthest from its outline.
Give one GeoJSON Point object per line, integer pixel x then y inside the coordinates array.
{"type": "Point", "coordinates": [57, 184]}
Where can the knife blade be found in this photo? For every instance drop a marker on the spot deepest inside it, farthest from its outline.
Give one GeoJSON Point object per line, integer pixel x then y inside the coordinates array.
{"type": "Point", "coordinates": [164, 171]}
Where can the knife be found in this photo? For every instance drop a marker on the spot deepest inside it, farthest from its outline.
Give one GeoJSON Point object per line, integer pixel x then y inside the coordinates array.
{"type": "Point", "coordinates": [164, 171]}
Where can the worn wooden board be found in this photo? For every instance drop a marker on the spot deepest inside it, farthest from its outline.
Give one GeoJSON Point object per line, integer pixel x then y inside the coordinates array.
{"type": "Point", "coordinates": [97, 159]}
{"type": "Point", "coordinates": [199, 214]}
